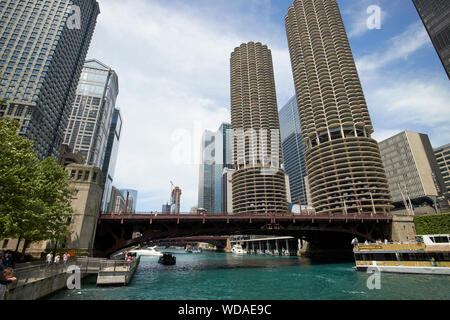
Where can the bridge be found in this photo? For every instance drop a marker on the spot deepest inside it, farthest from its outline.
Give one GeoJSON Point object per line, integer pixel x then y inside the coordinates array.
{"type": "Point", "coordinates": [118, 231]}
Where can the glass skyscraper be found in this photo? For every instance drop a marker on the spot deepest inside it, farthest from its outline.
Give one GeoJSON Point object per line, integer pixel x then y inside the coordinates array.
{"type": "Point", "coordinates": [293, 150]}
{"type": "Point", "coordinates": [206, 174]}
{"type": "Point", "coordinates": [109, 164]}
{"type": "Point", "coordinates": [43, 45]}
{"type": "Point", "coordinates": [93, 108]}
{"type": "Point", "coordinates": [216, 155]}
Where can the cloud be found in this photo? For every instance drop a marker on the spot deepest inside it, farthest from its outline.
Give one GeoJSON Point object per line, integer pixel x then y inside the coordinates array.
{"type": "Point", "coordinates": [404, 96]}
{"type": "Point", "coordinates": [358, 13]}
{"type": "Point", "coordinates": [398, 47]}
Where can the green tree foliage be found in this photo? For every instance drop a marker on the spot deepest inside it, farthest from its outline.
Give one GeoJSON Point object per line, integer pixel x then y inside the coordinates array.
{"type": "Point", "coordinates": [433, 224]}
{"type": "Point", "coordinates": [34, 196]}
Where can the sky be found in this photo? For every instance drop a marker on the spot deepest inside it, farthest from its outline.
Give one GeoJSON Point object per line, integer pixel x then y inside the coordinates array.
{"type": "Point", "coordinates": [172, 60]}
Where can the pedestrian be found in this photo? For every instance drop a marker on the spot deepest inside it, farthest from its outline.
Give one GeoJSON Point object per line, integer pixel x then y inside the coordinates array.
{"type": "Point", "coordinates": [65, 258]}
{"type": "Point", "coordinates": [57, 259]}
{"type": "Point", "coordinates": [49, 259]}
{"type": "Point", "coordinates": [7, 260]}
{"type": "Point", "coordinates": [6, 277]}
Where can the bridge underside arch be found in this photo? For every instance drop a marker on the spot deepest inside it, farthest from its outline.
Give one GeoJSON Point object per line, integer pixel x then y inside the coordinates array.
{"type": "Point", "coordinates": [112, 236]}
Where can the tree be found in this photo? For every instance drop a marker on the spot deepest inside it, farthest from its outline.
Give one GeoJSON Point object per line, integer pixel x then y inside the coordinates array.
{"type": "Point", "coordinates": [34, 196]}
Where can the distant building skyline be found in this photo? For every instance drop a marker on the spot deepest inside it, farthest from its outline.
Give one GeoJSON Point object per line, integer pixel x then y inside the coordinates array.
{"type": "Point", "coordinates": [130, 196]}
{"type": "Point", "coordinates": [442, 154]}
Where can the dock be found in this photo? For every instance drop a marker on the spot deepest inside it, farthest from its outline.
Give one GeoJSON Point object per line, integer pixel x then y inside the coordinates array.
{"type": "Point", "coordinates": [37, 281]}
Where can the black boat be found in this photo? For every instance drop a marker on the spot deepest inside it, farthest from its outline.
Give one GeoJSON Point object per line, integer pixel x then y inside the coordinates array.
{"type": "Point", "coordinates": [167, 259]}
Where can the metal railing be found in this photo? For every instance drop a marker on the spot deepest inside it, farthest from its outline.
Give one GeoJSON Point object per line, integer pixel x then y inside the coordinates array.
{"type": "Point", "coordinates": [26, 275]}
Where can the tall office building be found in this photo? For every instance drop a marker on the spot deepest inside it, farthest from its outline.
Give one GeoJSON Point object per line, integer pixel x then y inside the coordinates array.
{"type": "Point", "coordinates": [130, 197]}
{"type": "Point", "coordinates": [92, 112]}
{"type": "Point", "coordinates": [43, 46]}
{"type": "Point", "coordinates": [109, 164]}
{"type": "Point", "coordinates": [215, 156]}
{"type": "Point", "coordinates": [117, 202]}
{"type": "Point", "coordinates": [259, 182]}
{"type": "Point", "coordinates": [293, 151]}
{"type": "Point", "coordinates": [411, 169]}
{"type": "Point", "coordinates": [207, 172]}
{"type": "Point", "coordinates": [443, 159]}
{"type": "Point", "coordinates": [343, 162]}
{"type": "Point", "coordinates": [435, 15]}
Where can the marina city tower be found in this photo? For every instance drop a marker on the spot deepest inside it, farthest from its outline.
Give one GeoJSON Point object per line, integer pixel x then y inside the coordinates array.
{"type": "Point", "coordinates": [259, 185]}
{"type": "Point", "coordinates": [344, 166]}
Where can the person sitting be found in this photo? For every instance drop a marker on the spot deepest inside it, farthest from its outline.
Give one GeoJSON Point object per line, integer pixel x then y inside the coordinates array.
{"type": "Point", "coordinates": [6, 277]}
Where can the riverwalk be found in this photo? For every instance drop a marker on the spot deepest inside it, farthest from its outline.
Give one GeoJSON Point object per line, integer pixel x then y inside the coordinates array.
{"type": "Point", "coordinates": [37, 281]}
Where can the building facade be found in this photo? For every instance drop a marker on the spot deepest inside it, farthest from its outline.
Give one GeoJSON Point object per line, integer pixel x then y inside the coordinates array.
{"type": "Point", "coordinates": [412, 170]}
{"type": "Point", "coordinates": [43, 46]}
{"type": "Point", "coordinates": [117, 201]}
{"type": "Point", "coordinates": [92, 112]}
{"type": "Point", "coordinates": [207, 172]}
{"type": "Point", "coordinates": [259, 181]}
{"type": "Point", "coordinates": [223, 159]}
{"type": "Point", "coordinates": [130, 196]}
{"type": "Point", "coordinates": [443, 159]}
{"type": "Point", "coordinates": [343, 161]}
{"type": "Point", "coordinates": [435, 15]}
{"type": "Point", "coordinates": [215, 156]}
{"type": "Point", "coordinates": [293, 150]}
{"type": "Point", "coordinates": [109, 164]}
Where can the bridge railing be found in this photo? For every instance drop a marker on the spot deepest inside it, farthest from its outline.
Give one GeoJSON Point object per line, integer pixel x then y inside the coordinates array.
{"type": "Point", "coordinates": [304, 213]}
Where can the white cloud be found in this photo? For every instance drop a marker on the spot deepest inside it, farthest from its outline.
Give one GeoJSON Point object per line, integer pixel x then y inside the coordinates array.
{"type": "Point", "coordinates": [399, 47]}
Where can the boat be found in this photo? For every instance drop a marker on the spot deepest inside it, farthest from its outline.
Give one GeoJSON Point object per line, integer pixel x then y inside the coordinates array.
{"type": "Point", "coordinates": [237, 248]}
{"type": "Point", "coordinates": [429, 254]}
{"type": "Point", "coordinates": [167, 259]}
{"type": "Point", "coordinates": [196, 250]}
{"type": "Point", "coordinates": [147, 252]}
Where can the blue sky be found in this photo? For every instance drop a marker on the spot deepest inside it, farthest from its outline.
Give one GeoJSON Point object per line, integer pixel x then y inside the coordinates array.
{"type": "Point", "coordinates": [172, 59]}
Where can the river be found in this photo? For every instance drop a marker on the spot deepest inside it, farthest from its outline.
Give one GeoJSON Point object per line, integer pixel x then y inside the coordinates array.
{"type": "Point", "coordinates": [227, 276]}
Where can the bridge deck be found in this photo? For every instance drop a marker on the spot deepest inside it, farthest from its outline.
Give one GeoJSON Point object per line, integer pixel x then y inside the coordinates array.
{"type": "Point", "coordinates": [150, 217]}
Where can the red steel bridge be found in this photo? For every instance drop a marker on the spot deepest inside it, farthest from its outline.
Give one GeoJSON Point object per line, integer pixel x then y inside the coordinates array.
{"type": "Point", "coordinates": [118, 231]}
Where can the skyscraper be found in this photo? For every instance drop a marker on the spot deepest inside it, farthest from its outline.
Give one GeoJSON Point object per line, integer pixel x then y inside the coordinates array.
{"type": "Point", "coordinates": [258, 182]}
{"type": "Point", "coordinates": [207, 173]}
{"type": "Point", "coordinates": [435, 15]}
{"type": "Point", "coordinates": [293, 150]}
{"type": "Point", "coordinates": [43, 46]}
{"type": "Point", "coordinates": [92, 112]}
{"type": "Point", "coordinates": [215, 156]}
{"type": "Point", "coordinates": [130, 197]}
{"type": "Point", "coordinates": [109, 164]}
{"type": "Point", "coordinates": [343, 162]}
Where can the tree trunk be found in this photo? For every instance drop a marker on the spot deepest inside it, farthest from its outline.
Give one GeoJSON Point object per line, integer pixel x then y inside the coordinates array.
{"type": "Point", "coordinates": [14, 257]}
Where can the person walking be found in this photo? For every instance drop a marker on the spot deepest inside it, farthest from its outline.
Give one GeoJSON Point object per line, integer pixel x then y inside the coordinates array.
{"type": "Point", "coordinates": [49, 259]}
{"type": "Point", "coordinates": [65, 258]}
{"type": "Point", "coordinates": [57, 259]}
